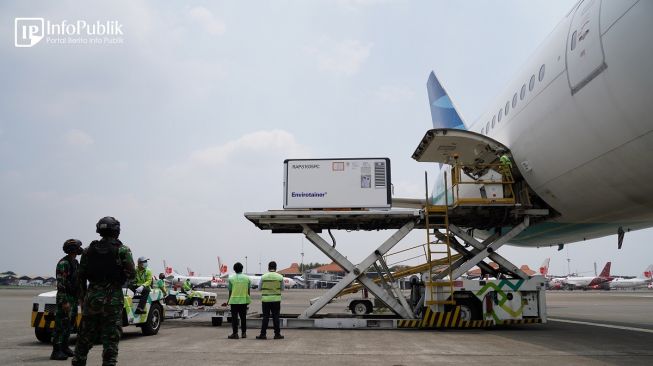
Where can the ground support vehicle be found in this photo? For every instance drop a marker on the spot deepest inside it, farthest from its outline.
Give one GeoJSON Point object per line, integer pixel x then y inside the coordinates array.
{"type": "Point", "coordinates": [194, 298]}
{"type": "Point", "coordinates": [44, 308]}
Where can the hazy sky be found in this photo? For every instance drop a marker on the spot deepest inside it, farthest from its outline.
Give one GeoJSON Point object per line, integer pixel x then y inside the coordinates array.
{"type": "Point", "coordinates": [184, 126]}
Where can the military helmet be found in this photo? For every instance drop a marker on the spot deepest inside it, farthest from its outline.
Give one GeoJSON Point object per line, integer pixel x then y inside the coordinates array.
{"type": "Point", "coordinates": [71, 246]}
{"type": "Point", "coordinates": [108, 226]}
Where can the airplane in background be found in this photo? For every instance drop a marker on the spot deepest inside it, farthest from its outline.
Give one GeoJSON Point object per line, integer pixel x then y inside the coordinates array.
{"type": "Point", "coordinates": [620, 283]}
{"type": "Point", "coordinates": [585, 282]}
{"type": "Point", "coordinates": [197, 281]}
{"type": "Point", "coordinates": [255, 279]}
{"type": "Point", "coordinates": [579, 108]}
{"type": "Point", "coordinates": [543, 270]}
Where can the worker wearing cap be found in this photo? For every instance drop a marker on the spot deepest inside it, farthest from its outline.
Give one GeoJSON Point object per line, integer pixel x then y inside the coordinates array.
{"type": "Point", "coordinates": [239, 286]}
{"type": "Point", "coordinates": [142, 284]}
{"type": "Point", "coordinates": [67, 298]}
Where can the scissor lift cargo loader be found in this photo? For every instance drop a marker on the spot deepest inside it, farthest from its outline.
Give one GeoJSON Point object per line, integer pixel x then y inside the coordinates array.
{"type": "Point", "coordinates": [471, 303]}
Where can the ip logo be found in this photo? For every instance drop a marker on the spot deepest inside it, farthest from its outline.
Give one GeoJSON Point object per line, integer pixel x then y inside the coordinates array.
{"type": "Point", "coordinates": [29, 31]}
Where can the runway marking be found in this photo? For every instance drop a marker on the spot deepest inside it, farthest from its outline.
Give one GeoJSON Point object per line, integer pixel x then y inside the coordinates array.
{"type": "Point", "coordinates": [602, 325]}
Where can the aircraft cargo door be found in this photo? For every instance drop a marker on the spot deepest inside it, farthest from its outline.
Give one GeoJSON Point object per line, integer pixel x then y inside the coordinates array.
{"type": "Point", "coordinates": [585, 59]}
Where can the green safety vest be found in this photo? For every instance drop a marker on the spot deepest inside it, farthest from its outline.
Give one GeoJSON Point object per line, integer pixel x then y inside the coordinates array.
{"type": "Point", "coordinates": [144, 277]}
{"type": "Point", "coordinates": [239, 286]}
{"type": "Point", "coordinates": [271, 283]}
{"type": "Point", "coordinates": [505, 161]}
{"type": "Point", "coordinates": [161, 284]}
{"type": "Point", "coordinates": [186, 286]}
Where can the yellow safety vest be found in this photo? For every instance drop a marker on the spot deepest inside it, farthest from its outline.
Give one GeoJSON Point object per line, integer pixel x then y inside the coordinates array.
{"type": "Point", "coordinates": [144, 277]}
{"type": "Point", "coordinates": [271, 283]}
{"type": "Point", "coordinates": [239, 285]}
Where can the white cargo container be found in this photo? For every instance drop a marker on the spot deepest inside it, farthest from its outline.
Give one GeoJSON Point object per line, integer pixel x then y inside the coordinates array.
{"type": "Point", "coordinates": [337, 183]}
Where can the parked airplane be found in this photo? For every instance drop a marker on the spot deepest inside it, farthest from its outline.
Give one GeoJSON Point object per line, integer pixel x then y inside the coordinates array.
{"type": "Point", "coordinates": [579, 107]}
{"type": "Point", "coordinates": [255, 279]}
{"type": "Point", "coordinates": [543, 270]}
{"type": "Point", "coordinates": [197, 281]}
{"type": "Point", "coordinates": [634, 282]}
{"type": "Point", "coordinates": [573, 282]}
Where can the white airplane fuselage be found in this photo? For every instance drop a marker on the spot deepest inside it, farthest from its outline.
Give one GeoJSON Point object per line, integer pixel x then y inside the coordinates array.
{"type": "Point", "coordinates": [582, 135]}
{"type": "Point", "coordinates": [628, 283]}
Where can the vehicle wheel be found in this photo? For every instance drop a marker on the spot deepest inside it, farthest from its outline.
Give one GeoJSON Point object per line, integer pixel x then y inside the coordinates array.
{"type": "Point", "coordinates": [361, 307]}
{"type": "Point", "coordinates": [44, 335]}
{"type": "Point", "coordinates": [153, 323]}
{"type": "Point", "coordinates": [196, 302]}
{"type": "Point", "coordinates": [469, 310]}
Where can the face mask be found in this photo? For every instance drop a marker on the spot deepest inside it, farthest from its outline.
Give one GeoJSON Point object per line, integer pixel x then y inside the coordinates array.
{"type": "Point", "coordinates": [144, 264]}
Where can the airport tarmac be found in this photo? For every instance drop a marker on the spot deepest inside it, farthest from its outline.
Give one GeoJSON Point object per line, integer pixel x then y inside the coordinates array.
{"type": "Point", "coordinates": [586, 328]}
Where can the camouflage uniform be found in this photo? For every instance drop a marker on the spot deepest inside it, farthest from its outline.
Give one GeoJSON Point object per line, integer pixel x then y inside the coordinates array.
{"type": "Point", "coordinates": [103, 301]}
{"type": "Point", "coordinates": [67, 291]}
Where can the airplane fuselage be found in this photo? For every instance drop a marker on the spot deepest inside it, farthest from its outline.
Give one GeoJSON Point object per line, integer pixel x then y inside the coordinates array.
{"type": "Point", "coordinates": [579, 123]}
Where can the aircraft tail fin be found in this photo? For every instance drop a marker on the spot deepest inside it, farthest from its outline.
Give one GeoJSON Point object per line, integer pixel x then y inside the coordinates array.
{"type": "Point", "coordinates": [648, 272]}
{"type": "Point", "coordinates": [167, 269]}
{"type": "Point", "coordinates": [544, 268]}
{"type": "Point", "coordinates": [443, 112]}
{"type": "Point", "coordinates": [222, 267]}
{"type": "Point", "coordinates": [606, 270]}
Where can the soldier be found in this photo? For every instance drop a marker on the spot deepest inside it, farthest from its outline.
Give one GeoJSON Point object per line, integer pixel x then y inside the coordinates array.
{"type": "Point", "coordinates": [107, 264]}
{"type": "Point", "coordinates": [67, 291]}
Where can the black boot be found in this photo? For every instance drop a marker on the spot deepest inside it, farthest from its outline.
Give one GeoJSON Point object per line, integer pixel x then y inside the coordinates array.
{"type": "Point", "coordinates": [58, 354]}
{"type": "Point", "coordinates": [139, 309]}
{"type": "Point", "coordinates": [66, 349]}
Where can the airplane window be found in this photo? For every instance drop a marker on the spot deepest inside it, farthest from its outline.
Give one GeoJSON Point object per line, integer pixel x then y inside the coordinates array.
{"type": "Point", "coordinates": [483, 131]}
{"type": "Point", "coordinates": [573, 41]}
{"type": "Point", "coordinates": [522, 94]}
{"type": "Point", "coordinates": [514, 100]}
{"type": "Point", "coordinates": [499, 116]}
{"type": "Point", "coordinates": [507, 108]}
{"type": "Point", "coordinates": [487, 128]}
{"type": "Point", "coordinates": [531, 84]}
{"type": "Point", "coordinates": [541, 76]}
{"type": "Point", "coordinates": [494, 118]}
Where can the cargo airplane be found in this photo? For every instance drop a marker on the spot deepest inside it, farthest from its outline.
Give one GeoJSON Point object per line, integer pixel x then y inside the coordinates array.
{"type": "Point", "coordinates": [581, 106]}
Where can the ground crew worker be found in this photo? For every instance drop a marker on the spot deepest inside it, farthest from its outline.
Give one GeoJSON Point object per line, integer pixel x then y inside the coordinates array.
{"type": "Point", "coordinates": [271, 287]}
{"type": "Point", "coordinates": [505, 168]}
{"type": "Point", "coordinates": [186, 287]}
{"type": "Point", "coordinates": [239, 287]}
{"type": "Point", "coordinates": [505, 164]}
{"type": "Point", "coordinates": [161, 284]}
{"type": "Point", "coordinates": [106, 264]}
{"type": "Point", "coordinates": [142, 284]}
{"type": "Point", "coordinates": [67, 299]}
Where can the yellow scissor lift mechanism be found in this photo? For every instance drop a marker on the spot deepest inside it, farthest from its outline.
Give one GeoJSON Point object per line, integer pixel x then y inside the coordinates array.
{"type": "Point", "coordinates": [438, 306]}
